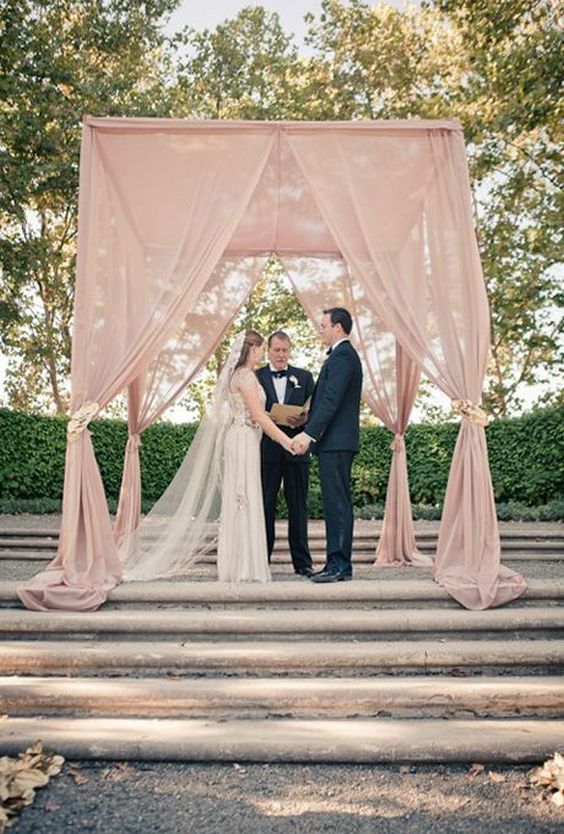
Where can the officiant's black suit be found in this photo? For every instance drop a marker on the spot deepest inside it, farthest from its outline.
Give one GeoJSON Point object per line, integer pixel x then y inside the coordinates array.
{"type": "Point", "coordinates": [333, 423]}
{"type": "Point", "coordinates": [279, 466]}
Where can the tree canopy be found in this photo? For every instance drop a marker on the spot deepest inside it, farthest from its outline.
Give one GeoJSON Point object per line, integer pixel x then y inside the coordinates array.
{"type": "Point", "coordinates": [497, 66]}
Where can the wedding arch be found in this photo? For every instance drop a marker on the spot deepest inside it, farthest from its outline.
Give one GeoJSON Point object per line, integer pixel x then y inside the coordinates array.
{"type": "Point", "coordinates": [177, 219]}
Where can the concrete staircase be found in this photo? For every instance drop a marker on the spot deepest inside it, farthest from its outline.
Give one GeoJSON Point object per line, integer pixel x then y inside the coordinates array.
{"type": "Point", "coordinates": [381, 669]}
{"type": "Point", "coordinates": [40, 544]}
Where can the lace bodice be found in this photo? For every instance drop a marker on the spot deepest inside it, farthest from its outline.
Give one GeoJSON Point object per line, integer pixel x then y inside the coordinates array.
{"type": "Point", "coordinates": [243, 379]}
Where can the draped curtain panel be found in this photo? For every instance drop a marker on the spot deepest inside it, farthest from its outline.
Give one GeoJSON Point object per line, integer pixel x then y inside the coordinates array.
{"type": "Point", "coordinates": [176, 219]}
{"type": "Point", "coordinates": [400, 213]}
{"type": "Point", "coordinates": [156, 212]}
{"type": "Point", "coordinates": [176, 364]}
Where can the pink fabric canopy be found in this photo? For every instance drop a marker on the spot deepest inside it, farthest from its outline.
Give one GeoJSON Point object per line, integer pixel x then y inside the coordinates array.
{"type": "Point", "coordinates": [176, 221]}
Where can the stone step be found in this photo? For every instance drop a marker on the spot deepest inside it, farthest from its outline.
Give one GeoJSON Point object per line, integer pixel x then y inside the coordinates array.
{"type": "Point", "coordinates": [362, 543]}
{"type": "Point", "coordinates": [415, 697]}
{"type": "Point", "coordinates": [294, 740]}
{"type": "Point", "coordinates": [283, 558]}
{"type": "Point", "coordinates": [298, 624]}
{"type": "Point", "coordinates": [292, 592]}
{"type": "Point", "coordinates": [364, 529]}
{"type": "Point", "coordinates": [24, 543]}
{"type": "Point", "coordinates": [309, 658]}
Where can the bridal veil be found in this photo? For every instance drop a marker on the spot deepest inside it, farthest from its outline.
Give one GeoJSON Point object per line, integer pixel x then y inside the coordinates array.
{"type": "Point", "coordinates": [183, 524]}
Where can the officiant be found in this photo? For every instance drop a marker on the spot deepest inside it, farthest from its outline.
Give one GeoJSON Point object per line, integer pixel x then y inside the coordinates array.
{"type": "Point", "coordinates": [283, 383]}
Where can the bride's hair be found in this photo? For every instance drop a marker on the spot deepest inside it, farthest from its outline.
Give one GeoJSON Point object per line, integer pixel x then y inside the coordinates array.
{"type": "Point", "coordinates": [252, 339]}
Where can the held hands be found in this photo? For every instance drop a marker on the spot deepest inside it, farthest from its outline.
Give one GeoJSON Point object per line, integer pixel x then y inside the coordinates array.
{"type": "Point", "coordinates": [300, 444]}
{"type": "Point", "coordinates": [289, 446]}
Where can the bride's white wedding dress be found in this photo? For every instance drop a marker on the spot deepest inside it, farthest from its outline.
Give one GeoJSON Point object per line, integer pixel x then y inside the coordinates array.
{"type": "Point", "coordinates": [218, 481]}
{"type": "Point", "coordinates": [241, 549]}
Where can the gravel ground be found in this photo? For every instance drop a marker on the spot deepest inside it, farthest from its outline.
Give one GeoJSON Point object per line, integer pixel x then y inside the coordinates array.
{"type": "Point", "coordinates": [276, 799]}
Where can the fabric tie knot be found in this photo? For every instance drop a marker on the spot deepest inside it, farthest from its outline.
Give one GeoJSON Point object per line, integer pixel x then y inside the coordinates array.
{"type": "Point", "coordinates": [397, 444]}
{"type": "Point", "coordinates": [279, 374]}
{"type": "Point", "coordinates": [329, 352]}
{"type": "Point", "coordinates": [133, 443]}
{"type": "Point", "coordinates": [80, 419]}
{"type": "Point", "coordinates": [471, 412]}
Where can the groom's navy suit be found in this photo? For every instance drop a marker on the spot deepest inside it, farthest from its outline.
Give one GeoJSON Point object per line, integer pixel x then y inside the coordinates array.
{"type": "Point", "coordinates": [278, 465]}
{"type": "Point", "coordinates": [333, 424]}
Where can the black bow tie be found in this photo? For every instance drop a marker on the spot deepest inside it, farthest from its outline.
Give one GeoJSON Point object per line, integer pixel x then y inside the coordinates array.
{"type": "Point", "coordinates": [329, 352]}
{"type": "Point", "coordinates": [279, 374]}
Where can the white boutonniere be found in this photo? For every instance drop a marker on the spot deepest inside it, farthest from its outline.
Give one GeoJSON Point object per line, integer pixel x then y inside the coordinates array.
{"type": "Point", "coordinates": [294, 381]}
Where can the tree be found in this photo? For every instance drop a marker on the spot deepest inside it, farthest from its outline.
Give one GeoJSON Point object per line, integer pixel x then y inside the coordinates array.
{"type": "Point", "coordinates": [375, 62]}
{"type": "Point", "coordinates": [497, 67]}
{"type": "Point", "coordinates": [512, 110]}
{"type": "Point", "coordinates": [494, 65]}
{"type": "Point", "coordinates": [59, 59]}
{"type": "Point", "coordinates": [243, 69]}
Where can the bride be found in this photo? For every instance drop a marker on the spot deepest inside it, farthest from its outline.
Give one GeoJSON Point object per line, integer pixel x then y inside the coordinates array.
{"type": "Point", "coordinates": [215, 498]}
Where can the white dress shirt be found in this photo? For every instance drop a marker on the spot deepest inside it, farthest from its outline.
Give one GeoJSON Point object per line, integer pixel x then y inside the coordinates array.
{"type": "Point", "coordinates": [279, 383]}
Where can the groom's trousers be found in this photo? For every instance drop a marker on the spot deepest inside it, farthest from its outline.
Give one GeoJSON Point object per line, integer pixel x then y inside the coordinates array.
{"type": "Point", "coordinates": [335, 477]}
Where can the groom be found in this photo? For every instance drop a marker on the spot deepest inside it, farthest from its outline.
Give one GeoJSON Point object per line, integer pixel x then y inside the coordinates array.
{"type": "Point", "coordinates": [283, 383]}
{"type": "Point", "coordinates": [332, 430]}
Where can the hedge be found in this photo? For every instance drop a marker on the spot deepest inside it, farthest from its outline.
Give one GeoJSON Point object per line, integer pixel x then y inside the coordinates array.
{"type": "Point", "coordinates": [526, 458]}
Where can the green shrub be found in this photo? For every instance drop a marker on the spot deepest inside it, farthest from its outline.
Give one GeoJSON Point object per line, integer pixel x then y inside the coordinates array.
{"type": "Point", "coordinates": [526, 457]}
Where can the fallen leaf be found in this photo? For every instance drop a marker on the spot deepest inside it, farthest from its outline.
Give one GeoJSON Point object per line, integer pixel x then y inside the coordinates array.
{"type": "Point", "coordinates": [26, 779]}
{"type": "Point", "coordinates": [20, 778]}
{"type": "Point", "coordinates": [476, 768]}
{"type": "Point", "coordinates": [120, 771]}
{"type": "Point", "coordinates": [496, 777]}
{"type": "Point", "coordinates": [550, 778]}
{"type": "Point", "coordinates": [75, 773]}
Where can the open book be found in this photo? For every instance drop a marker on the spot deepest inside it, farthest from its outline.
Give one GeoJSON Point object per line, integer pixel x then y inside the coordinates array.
{"type": "Point", "coordinates": [280, 412]}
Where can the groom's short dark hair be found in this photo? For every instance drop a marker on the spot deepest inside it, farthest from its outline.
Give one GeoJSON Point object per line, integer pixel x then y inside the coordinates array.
{"type": "Point", "coordinates": [340, 316]}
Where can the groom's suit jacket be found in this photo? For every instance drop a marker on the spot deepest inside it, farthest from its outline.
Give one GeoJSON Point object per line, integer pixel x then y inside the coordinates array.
{"type": "Point", "coordinates": [296, 394]}
{"type": "Point", "coordinates": [335, 405]}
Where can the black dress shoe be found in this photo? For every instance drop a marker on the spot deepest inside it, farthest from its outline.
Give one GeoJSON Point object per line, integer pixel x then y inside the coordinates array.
{"type": "Point", "coordinates": [307, 571]}
{"type": "Point", "coordinates": [332, 576]}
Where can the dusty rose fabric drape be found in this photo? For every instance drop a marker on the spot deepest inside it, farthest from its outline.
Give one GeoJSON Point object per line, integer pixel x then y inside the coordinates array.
{"type": "Point", "coordinates": [162, 201]}
{"type": "Point", "coordinates": [156, 213]}
{"type": "Point", "coordinates": [400, 214]}
{"type": "Point", "coordinates": [175, 366]}
{"type": "Point", "coordinates": [129, 504]}
{"type": "Point", "coordinates": [397, 544]}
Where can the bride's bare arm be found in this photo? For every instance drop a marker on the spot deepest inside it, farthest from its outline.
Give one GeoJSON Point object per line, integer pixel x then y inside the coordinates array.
{"type": "Point", "coordinates": [253, 402]}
